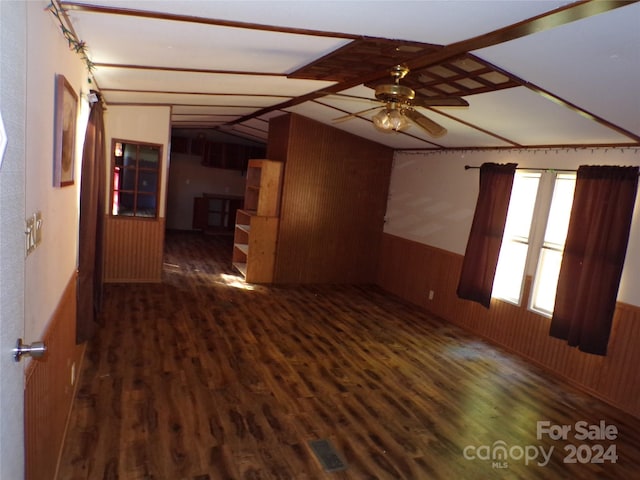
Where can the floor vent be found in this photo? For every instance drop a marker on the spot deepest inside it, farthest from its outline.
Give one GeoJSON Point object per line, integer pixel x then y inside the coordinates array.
{"type": "Point", "coordinates": [327, 455]}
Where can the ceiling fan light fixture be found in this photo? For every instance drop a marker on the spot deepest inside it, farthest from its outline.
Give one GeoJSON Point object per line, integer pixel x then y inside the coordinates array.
{"type": "Point", "coordinates": [390, 118]}
{"type": "Point", "coordinates": [397, 120]}
{"type": "Point", "coordinates": [400, 102]}
{"type": "Point", "coordinates": [381, 120]}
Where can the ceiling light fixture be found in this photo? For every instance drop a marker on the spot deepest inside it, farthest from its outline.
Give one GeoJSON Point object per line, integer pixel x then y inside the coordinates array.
{"type": "Point", "coordinates": [390, 118]}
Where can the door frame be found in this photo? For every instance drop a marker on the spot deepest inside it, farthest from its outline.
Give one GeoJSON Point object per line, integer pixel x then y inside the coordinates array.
{"type": "Point", "coordinates": [13, 39]}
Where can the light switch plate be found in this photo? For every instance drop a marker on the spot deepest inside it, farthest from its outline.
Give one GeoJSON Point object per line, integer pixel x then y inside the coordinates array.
{"type": "Point", "coordinates": [30, 232]}
{"type": "Point", "coordinates": [33, 231]}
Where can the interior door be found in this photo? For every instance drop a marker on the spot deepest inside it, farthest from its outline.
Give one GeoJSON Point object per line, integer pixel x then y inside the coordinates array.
{"type": "Point", "coordinates": [12, 238]}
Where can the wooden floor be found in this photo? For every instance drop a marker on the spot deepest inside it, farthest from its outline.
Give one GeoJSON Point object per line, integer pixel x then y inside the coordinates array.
{"type": "Point", "coordinates": [204, 377]}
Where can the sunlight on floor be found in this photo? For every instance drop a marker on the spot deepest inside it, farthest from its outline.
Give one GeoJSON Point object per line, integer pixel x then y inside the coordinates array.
{"type": "Point", "coordinates": [235, 281]}
{"type": "Point", "coordinates": [228, 280]}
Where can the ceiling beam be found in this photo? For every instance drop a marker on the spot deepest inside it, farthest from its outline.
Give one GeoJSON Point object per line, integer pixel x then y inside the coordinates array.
{"type": "Point", "coordinates": [571, 106]}
{"type": "Point", "coordinates": [545, 21]}
{"type": "Point", "coordinates": [186, 70]}
{"type": "Point", "coordinates": [85, 7]}
{"type": "Point", "coordinates": [554, 18]}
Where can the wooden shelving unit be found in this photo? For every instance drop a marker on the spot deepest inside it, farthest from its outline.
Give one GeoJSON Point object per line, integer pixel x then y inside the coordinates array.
{"type": "Point", "coordinates": [256, 229]}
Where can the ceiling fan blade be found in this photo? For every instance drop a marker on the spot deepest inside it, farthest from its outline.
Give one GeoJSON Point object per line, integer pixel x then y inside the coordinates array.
{"type": "Point", "coordinates": [422, 101]}
{"type": "Point", "coordinates": [432, 128]}
{"type": "Point", "coordinates": [349, 116]}
{"type": "Point", "coordinates": [355, 97]}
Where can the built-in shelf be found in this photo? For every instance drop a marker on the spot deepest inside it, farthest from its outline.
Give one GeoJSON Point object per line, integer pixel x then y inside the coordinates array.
{"type": "Point", "coordinates": [244, 248]}
{"type": "Point", "coordinates": [241, 267]}
{"type": "Point", "coordinates": [256, 227]}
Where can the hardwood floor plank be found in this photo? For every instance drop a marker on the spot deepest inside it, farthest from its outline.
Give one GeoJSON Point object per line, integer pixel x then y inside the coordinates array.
{"type": "Point", "coordinates": [204, 377]}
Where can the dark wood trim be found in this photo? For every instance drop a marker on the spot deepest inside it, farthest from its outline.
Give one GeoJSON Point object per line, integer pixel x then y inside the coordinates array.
{"type": "Point", "coordinates": [210, 105]}
{"type": "Point", "coordinates": [83, 7]}
{"type": "Point", "coordinates": [187, 70]}
{"type": "Point", "coordinates": [139, 104]}
{"type": "Point", "coordinates": [67, 22]}
{"type": "Point", "coordinates": [580, 146]}
{"type": "Point", "coordinates": [201, 115]}
{"type": "Point", "coordinates": [201, 94]}
{"type": "Point", "coordinates": [582, 112]}
{"type": "Point", "coordinates": [242, 135]}
{"type": "Point", "coordinates": [249, 127]}
{"type": "Point", "coordinates": [565, 103]}
{"type": "Point", "coordinates": [475, 127]}
{"type": "Point", "coordinates": [545, 21]}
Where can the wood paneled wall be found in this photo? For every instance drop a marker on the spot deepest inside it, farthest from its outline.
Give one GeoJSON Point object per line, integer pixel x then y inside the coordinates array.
{"type": "Point", "coordinates": [410, 270]}
{"type": "Point", "coordinates": [133, 250]}
{"type": "Point", "coordinates": [49, 392]}
{"type": "Point", "coordinates": [334, 199]}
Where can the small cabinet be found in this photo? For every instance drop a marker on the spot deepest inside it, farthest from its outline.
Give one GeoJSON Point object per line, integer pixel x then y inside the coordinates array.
{"type": "Point", "coordinates": [256, 229]}
{"type": "Point", "coordinates": [213, 213]}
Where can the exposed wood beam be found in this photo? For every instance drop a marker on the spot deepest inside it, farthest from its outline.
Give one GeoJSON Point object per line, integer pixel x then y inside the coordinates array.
{"type": "Point", "coordinates": [545, 21]}
{"type": "Point", "coordinates": [555, 18]}
{"type": "Point", "coordinates": [571, 106]}
{"type": "Point", "coordinates": [204, 115]}
{"type": "Point", "coordinates": [203, 94]}
{"type": "Point", "coordinates": [84, 7]}
{"type": "Point", "coordinates": [476, 127]}
{"type": "Point", "coordinates": [187, 70]}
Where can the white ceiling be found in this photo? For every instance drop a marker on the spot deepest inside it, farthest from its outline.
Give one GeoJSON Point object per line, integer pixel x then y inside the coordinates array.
{"type": "Point", "coordinates": [224, 65]}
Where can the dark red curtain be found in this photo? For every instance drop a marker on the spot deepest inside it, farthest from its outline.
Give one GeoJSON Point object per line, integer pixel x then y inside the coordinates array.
{"type": "Point", "coordinates": [593, 256]}
{"type": "Point", "coordinates": [92, 192]}
{"type": "Point", "coordinates": [487, 229]}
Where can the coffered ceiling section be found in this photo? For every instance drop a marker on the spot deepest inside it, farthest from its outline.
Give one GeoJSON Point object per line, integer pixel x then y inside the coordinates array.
{"type": "Point", "coordinates": [492, 73]}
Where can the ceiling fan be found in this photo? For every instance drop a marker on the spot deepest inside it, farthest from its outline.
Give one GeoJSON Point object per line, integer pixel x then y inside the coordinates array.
{"type": "Point", "coordinates": [399, 105]}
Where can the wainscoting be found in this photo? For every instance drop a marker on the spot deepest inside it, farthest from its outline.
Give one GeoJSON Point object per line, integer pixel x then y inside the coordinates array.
{"type": "Point", "coordinates": [410, 270]}
{"type": "Point", "coordinates": [49, 392]}
{"type": "Point", "coordinates": [133, 250]}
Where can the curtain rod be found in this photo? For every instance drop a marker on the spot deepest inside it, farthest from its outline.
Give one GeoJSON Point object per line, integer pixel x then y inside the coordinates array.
{"type": "Point", "coordinates": [468, 167]}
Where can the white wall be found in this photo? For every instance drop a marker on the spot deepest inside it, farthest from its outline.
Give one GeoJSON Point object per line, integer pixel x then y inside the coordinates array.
{"type": "Point", "coordinates": [189, 179]}
{"type": "Point", "coordinates": [432, 197]}
{"type": "Point", "coordinates": [140, 124]}
{"type": "Point", "coordinates": [51, 266]}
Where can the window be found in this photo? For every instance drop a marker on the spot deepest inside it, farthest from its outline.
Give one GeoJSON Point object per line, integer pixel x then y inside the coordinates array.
{"type": "Point", "coordinates": [507, 284]}
{"type": "Point", "coordinates": [135, 179]}
{"type": "Point", "coordinates": [536, 199]}
{"type": "Point", "coordinates": [546, 277]}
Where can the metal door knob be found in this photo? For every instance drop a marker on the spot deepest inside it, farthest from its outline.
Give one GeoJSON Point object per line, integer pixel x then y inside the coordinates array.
{"type": "Point", "coordinates": [35, 350]}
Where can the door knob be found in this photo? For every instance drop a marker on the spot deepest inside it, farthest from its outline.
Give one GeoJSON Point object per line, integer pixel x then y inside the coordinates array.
{"type": "Point", "coordinates": [35, 350]}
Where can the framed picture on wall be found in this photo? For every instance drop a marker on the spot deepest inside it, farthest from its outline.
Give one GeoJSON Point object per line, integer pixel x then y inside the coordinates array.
{"type": "Point", "coordinates": [64, 125]}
